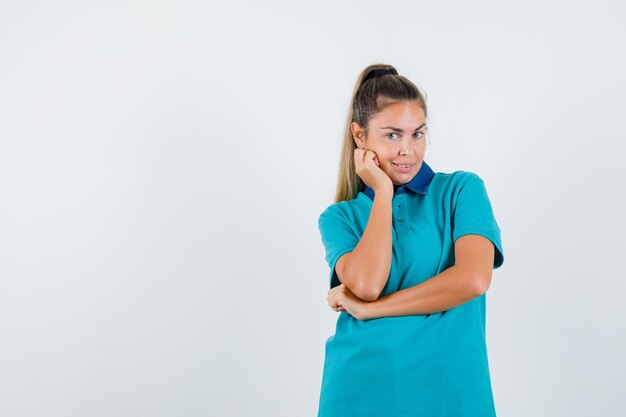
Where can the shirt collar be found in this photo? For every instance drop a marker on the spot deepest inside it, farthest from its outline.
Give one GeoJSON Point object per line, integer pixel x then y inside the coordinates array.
{"type": "Point", "coordinates": [419, 184]}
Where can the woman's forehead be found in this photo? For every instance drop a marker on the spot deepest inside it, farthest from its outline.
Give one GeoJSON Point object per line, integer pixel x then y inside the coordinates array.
{"type": "Point", "coordinates": [403, 115]}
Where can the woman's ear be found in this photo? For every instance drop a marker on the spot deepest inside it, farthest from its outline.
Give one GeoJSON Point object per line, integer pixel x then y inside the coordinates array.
{"type": "Point", "coordinates": [357, 134]}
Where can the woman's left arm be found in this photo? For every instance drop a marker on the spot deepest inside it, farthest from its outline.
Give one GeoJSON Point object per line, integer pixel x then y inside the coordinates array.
{"type": "Point", "coordinates": [467, 279]}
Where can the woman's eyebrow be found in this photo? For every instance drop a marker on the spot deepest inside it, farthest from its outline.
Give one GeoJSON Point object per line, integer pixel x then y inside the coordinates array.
{"type": "Point", "coordinates": [397, 129]}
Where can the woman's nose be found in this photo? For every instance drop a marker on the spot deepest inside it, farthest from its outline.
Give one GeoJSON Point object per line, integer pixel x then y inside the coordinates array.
{"type": "Point", "coordinates": [405, 147]}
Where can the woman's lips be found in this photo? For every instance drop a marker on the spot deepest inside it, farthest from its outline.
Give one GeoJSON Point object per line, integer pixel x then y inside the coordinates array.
{"type": "Point", "coordinates": [403, 169]}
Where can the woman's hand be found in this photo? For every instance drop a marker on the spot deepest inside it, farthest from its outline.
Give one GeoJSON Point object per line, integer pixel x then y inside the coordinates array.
{"type": "Point", "coordinates": [340, 298]}
{"type": "Point", "coordinates": [368, 169]}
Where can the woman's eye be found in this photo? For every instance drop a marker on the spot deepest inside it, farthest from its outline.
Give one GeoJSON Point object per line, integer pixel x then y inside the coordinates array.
{"type": "Point", "coordinates": [417, 134]}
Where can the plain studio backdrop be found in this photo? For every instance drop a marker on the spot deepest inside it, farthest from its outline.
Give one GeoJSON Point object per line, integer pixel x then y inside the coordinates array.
{"type": "Point", "coordinates": [163, 166]}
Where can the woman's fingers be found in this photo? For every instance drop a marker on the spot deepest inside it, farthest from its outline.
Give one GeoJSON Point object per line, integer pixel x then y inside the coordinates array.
{"type": "Point", "coordinates": [334, 303]}
{"type": "Point", "coordinates": [371, 155]}
{"type": "Point", "coordinates": [333, 298]}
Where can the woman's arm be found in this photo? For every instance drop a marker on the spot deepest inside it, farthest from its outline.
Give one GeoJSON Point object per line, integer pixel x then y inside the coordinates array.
{"type": "Point", "coordinates": [365, 270]}
{"type": "Point", "coordinates": [469, 278]}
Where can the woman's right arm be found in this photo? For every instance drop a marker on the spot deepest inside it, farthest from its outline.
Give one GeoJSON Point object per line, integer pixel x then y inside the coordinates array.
{"type": "Point", "coordinates": [365, 270]}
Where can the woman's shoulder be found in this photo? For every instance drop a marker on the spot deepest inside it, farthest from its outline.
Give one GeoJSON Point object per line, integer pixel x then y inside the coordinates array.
{"type": "Point", "coordinates": [337, 208]}
{"type": "Point", "coordinates": [345, 209]}
{"type": "Point", "coordinates": [458, 177]}
{"type": "Point", "coordinates": [453, 182]}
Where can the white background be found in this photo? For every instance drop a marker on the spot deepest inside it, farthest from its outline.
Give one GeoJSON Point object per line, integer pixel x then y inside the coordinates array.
{"type": "Point", "coordinates": [163, 166]}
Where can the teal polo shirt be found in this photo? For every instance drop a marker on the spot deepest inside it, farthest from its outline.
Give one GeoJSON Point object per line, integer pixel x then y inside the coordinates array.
{"type": "Point", "coordinates": [427, 365]}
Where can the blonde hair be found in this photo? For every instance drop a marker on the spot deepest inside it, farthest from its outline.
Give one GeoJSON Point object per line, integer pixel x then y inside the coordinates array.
{"type": "Point", "coordinates": [370, 94]}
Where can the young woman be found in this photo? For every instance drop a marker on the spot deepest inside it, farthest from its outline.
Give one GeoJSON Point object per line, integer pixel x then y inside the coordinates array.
{"type": "Point", "coordinates": [411, 254]}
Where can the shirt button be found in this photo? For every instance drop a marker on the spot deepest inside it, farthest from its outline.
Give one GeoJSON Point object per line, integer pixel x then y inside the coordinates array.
{"type": "Point", "coordinates": [400, 220]}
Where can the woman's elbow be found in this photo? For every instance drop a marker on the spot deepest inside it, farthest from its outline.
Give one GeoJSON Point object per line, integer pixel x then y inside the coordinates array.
{"type": "Point", "coordinates": [367, 293]}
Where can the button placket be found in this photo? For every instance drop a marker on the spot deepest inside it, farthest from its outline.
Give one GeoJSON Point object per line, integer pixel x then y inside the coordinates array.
{"type": "Point", "coordinates": [400, 214]}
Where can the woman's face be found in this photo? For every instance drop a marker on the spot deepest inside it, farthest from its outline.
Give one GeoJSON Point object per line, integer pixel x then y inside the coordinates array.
{"type": "Point", "coordinates": [397, 135]}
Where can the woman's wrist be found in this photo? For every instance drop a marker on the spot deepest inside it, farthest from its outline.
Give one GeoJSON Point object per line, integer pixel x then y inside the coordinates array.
{"type": "Point", "coordinates": [369, 311]}
{"type": "Point", "coordinates": [386, 192]}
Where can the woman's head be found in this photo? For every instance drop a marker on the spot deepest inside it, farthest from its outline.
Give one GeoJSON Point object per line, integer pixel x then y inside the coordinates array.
{"type": "Point", "coordinates": [388, 116]}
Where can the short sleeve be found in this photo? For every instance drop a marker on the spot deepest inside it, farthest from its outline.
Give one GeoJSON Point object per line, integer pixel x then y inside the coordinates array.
{"type": "Point", "coordinates": [338, 238]}
{"type": "Point", "coordinates": [473, 214]}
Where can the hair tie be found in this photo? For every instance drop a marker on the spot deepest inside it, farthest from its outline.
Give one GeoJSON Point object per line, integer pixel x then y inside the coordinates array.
{"type": "Point", "coordinates": [377, 73]}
